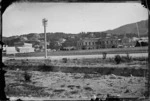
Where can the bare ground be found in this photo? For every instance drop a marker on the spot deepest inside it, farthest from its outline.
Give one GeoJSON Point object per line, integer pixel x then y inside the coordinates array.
{"type": "Point", "coordinates": [72, 85]}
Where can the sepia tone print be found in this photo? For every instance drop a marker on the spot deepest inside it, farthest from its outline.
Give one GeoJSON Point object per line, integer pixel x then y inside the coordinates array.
{"type": "Point", "coordinates": [74, 51]}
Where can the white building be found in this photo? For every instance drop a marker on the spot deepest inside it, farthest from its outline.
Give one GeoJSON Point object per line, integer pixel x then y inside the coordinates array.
{"type": "Point", "coordinates": [27, 45]}
{"type": "Point", "coordinates": [11, 50]}
{"type": "Point", "coordinates": [26, 48]}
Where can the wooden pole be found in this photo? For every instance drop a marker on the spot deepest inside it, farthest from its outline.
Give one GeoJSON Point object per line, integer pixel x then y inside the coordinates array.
{"type": "Point", "coordinates": [45, 42]}
{"type": "Point", "coordinates": [148, 56]}
{"type": "Point", "coordinates": [45, 24]}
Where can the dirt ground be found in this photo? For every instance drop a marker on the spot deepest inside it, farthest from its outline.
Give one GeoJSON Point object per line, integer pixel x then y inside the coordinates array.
{"type": "Point", "coordinates": [72, 85]}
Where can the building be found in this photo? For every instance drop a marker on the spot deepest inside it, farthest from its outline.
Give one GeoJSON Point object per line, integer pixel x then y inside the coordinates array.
{"type": "Point", "coordinates": [69, 48]}
{"type": "Point", "coordinates": [24, 47]}
{"type": "Point", "coordinates": [126, 42]}
{"type": "Point", "coordinates": [143, 41]}
{"type": "Point", "coordinates": [11, 50]}
{"type": "Point", "coordinates": [107, 42]}
{"type": "Point", "coordinates": [87, 43]}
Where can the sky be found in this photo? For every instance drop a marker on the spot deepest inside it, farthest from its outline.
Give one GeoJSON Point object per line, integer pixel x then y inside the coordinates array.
{"type": "Point", "coordinates": [25, 18]}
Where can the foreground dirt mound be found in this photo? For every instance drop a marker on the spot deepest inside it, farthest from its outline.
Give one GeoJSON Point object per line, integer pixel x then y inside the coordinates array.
{"type": "Point", "coordinates": [72, 85]}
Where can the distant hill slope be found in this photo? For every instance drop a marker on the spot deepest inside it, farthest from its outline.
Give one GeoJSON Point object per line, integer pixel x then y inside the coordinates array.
{"type": "Point", "coordinates": [131, 28]}
{"type": "Point", "coordinates": [72, 39]}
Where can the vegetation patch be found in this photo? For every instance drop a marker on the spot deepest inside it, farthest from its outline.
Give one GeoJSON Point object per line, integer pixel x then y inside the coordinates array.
{"type": "Point", "coordinates": [58, 90]}
{"type": "Point", "coordinates": [15, 89]}
{"type": "Point", "coordinates": [46, 68]}
{"type": "Point", "coordinates": [27, 76]}
{"type": "Point", "coordinates": [87, 76]}
{"type": "Point", "coordinates": [64, 60]}
{"type": "Point", "coordinates": [74, 92]}
{"type": "Point", "coordinates": [88, 88]}
{"type": "Point", "coordinates": [117, 59]}
{"type": "Point", "coordinates": [71, 86]}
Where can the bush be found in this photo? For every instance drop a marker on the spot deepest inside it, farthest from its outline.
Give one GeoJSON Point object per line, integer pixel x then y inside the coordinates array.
{"type": "Point", "coordinates": [46, 68]}
{"type": "Point", "coordinates": [87, 76]}
{"type": "Point", "coordinates": [117, 59]}
{"type": "Point", "coordinates": [59, 90]}
{"type": "Point", "coordinates": [74, 92]}
{"type": "Point", "coordinates": [126, 58]}
{"type": "Point", "coordinates": [64, 60]}
{"type": "Point", "coordinates": [27, 76]}
{"type": "Point", "coordinates": [47, 61]}
{"type": "Point", "coordinates": [140, 59]}
{"type": "Point", "coordinates": [104, 55]}
{"type": "Point", "coordinates": [88, 88]}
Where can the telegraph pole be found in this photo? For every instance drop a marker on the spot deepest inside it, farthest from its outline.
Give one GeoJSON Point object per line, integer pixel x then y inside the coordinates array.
{"type": "Point", "coordinates": [45, 24]}
{"type": "Point", "coordinates": [148, 56]}
{"type": "Point", "coordinates": [138, 30]}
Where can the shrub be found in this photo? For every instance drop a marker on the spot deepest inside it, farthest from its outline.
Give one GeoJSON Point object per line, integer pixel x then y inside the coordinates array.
{"type": "Point", "coordinates": [27, 76]}
{"type": "Point", "coordinates": [140, 59]}
{"type": "Point", "coordinates": [104, 55]}
{"type": "Point", "coordinates": [117, 59]}
{"type": "Point", "coordinates": [47, 61]}
{"type": "Point", "coordinates": [87, 76]}
{"type": "Point", "coordinates": [110, 60]}
{"type": "Point", "coordinates": [64, 60]}
{"type": "Point", "coordinates": [74, 92]}
{"type": "Point", "coordinates": [88, 88]}
{"type": "Point", "coordinates": [126, 58]}
{"type": "Point", "coordinates": [59, 90]}
{"type": "Point", "coordinates": [45, 68]}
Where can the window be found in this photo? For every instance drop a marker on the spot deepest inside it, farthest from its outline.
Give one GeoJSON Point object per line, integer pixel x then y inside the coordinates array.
{"type": "Point", "coordinates": [99, 42]}
{"type": "Point", "coordinates": [106, 42]}
{"type": "Point", "coordinates": [93, 43]}
{"type": "Point", "coordinates": [85, 43]}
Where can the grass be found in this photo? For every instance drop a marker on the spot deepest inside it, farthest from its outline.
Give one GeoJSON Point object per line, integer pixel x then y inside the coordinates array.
{"type": "Point", "coordinates": [74, 92]}
{"type": "Point", "coordinates": [134, 65]}
{"type": "Point", "coordinates": [48, 65]}
{"type": "Point", "coordinates": [45, 68]}
{"type": "Point", "coordinates": [27, 76]}
{"type": "Point", "coordinates": [88, 88]}
{"type": "Point", "coordinates": [87, 52]}
{"type": "Point", "coordinates": [14, 89]}
{"type": "Point", "coordinates": [59, 90]}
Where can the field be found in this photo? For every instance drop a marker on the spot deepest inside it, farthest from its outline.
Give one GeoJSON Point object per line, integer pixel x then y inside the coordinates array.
{"type": "Point", "coordinates": [86, 52]}
{"type": "Point", "coordinates": [76, 78]}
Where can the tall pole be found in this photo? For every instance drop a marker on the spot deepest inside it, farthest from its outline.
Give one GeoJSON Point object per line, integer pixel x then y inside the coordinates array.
{"type": "Point", "coordinates": [45, 42]}
{"type": "Point", "coordinates": [45, 24]}
{"type": "Point", "coordinates": [148, 55]}
{"type": "Point", "coordinates": [138, 30]}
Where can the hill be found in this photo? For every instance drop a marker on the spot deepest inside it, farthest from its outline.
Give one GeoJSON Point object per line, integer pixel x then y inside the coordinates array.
{"type": "Point", "coordinates": [131, 28]}
{"type": "Point", "coordinates": [59, 39]}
